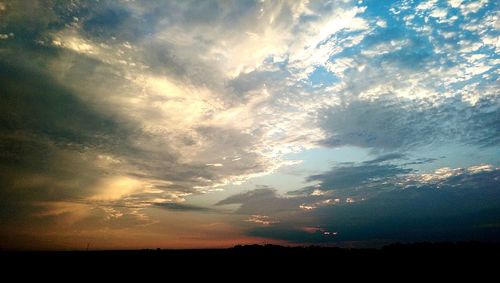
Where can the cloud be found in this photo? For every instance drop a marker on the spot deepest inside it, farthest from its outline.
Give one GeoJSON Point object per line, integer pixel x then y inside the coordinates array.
{"type": "Point", "coordinates": [458, 206]}
{"type": "Point", "coordinates": [407, 86]}
{"type": "Point", "coordinates": [180, 207]}
{"type": "Point", "coordinates": [350, 182]}
{"type": "Point", "coordinates": [387, 125]}
{"type": "Point", "coordinates": [261, 219]}
{"type": "Point", "coordinates": [385, 157]}
{"type": "Point", "coordinates": [262, 201]}
{"type": "Point", "coordinates": [69, 121]}
{"type": "Point", "coordinates": [350, 177]}
{"type": "Point", "coordinates": [386, 205]}
{"type": "Point", "coordinates": [258, 194]}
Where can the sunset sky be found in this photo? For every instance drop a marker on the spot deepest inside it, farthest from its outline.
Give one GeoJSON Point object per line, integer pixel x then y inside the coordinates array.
{"type": "Point", "coordinates": [195, 124]}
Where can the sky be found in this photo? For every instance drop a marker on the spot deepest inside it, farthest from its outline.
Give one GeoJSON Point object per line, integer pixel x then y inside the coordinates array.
{"type": "Point", "coordinates": [128, 124]}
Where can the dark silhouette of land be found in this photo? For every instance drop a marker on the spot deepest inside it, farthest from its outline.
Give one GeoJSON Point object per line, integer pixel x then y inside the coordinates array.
{"type": "Point", "coordinates": [430, 254]}
{"type": "Point", "coordinates": [260, 263]}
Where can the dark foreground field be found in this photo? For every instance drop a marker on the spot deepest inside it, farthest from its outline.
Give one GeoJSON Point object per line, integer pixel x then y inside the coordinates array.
{"type": "Point", "coordinates": [430, 255]}
{"type": "Point", "coordinates": [469, 262]}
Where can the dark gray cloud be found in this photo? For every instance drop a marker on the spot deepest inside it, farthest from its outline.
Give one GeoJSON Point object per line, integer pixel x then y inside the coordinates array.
{"type": "Point", "coordinates": [33, 103]}
{"type": "Point", "coordinates": [44, 131]}
{"type": "Point", "coordinates": [264, 201]}
{"type": "Point", "coordinates": [461, 207]}
{"type": "Point", "coordinates": [351, 177]}
{"type": "Point", "coordinates": [423, 160]}
{"type": "Point", "coordinates": [255, 195]}
{"type": "Point", "coordinates": [181, 207]}
{"type": "Point", "coordinates": [370, 174]}
{"type": "Point", "coordinates": [357, 176]}
{"type": "Point", "coordinates": [255, 80]}
{"type": "Point", "coordinates": [386, 157]}
{"type": "Point", "coordinates": [107, 22]}
{"type": "Point", "coordinates": [389, 125]}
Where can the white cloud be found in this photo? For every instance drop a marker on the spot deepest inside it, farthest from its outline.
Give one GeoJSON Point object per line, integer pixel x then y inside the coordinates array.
{"type": "Point", "coordinates": [439, 13]}
{"type": "Point", "coordinates": [455, 3]}
{"type": "Point", "coordinates": [445, 173]}
{"type": "Point", "coordinates": [116, 188]}
{"type": "Point", "coordinates": [313, 48]}
{"type": "Point", "coordinates": [76, 43]}
{"type": "Point", "coordinates": [215, 164]}
{"type": "Point", "coordinates": [481, 168]}
{"type": "Point", "coordinates": [385, 47]}
{"type": "Point", "coordinates": [427, 5]}
{"type": "Point", "coordinates": [262, 220]}
{"type": "Point", "coordinates": [473, 6]}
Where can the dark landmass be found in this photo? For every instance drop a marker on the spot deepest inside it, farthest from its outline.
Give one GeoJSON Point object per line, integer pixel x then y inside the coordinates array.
{"type": "Point", "coordinates": [474, 262]}
{"type": "Point", "coordinates": [430, 254]}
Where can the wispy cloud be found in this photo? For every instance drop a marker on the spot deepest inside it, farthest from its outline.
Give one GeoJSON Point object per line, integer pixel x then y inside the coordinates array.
{"type": "Point", "coordinates": [181, 207]}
